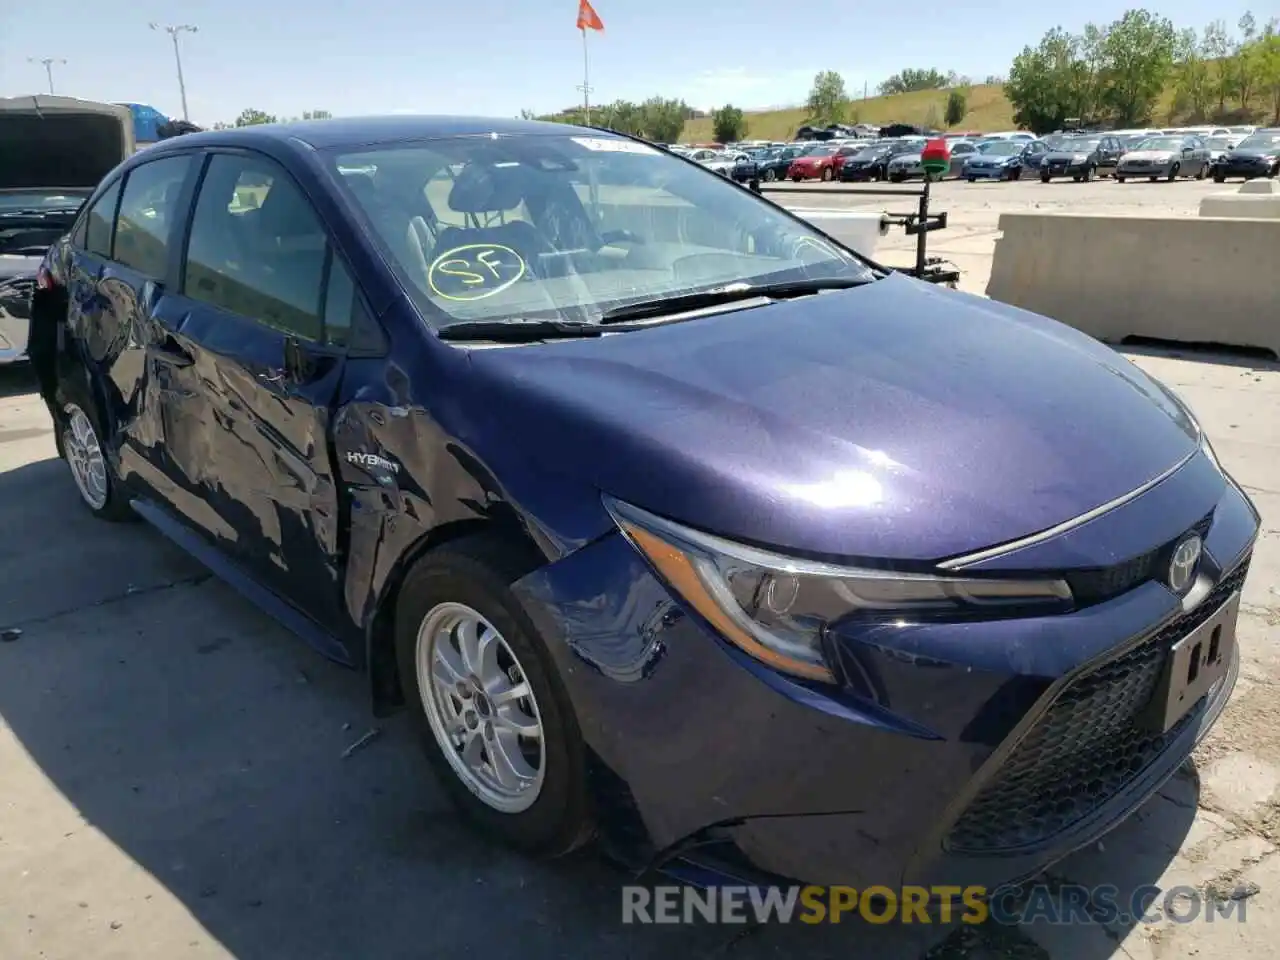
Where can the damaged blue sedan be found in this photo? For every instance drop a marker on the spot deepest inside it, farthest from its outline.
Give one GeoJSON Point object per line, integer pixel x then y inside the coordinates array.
{"type": "Point", "coordinates": [672, 522]}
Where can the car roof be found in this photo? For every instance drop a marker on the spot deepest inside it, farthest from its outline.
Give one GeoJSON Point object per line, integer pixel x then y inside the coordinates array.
{"type": "Point", "coordinates": [371, 131]}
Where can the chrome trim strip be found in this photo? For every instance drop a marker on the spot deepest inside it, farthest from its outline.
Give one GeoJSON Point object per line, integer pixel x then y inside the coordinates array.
{"type": "Point", "coordinates": [959, 563]}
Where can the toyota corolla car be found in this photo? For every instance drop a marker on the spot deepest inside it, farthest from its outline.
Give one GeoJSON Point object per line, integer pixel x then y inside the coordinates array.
{"type": "Point", "coordinates": [671, 521]}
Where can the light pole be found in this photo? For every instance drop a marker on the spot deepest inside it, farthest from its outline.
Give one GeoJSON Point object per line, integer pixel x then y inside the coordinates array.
{"type": "Point", "coordinates": [173, 31]}
{"type": "Point", "coordinates": [48, 63]}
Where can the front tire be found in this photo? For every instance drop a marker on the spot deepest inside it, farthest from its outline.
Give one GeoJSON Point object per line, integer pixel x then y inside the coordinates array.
{"type": "Point", "coordinates": [493, 716]}
{"type": "Point", "coordinates": [827, 174]}
{"type": "Point", "coordinates": [1044, 178]}
{"type": "Point", "coordinates": [1173, 172]}
{"type": "Point", "coordinates": [1219, 178]}
{"type": "Point", "coordinates": [80, 436]}
{"type": "Point", "coordinates": [1089, 171]}
{"type": "Point", "coordinates": [769, 176]}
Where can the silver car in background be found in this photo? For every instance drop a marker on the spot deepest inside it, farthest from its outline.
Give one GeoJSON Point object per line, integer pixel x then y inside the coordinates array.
{"type": "Point", "coordinates": [1167, 158]}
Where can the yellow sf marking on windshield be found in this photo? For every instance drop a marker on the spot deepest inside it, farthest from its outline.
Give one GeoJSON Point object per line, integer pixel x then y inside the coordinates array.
{"type": "Point", "coordinates": [475, 271]}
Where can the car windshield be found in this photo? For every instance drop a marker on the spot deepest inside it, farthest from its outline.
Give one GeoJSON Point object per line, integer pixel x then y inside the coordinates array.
{"type": "Point", "coordinates": [870, 153]}
{"type": "Point", "coordinates": [571, 227]}
{"type": "Point", "coordinates": [1081, 145]}
{"type": "Point", "coordinates": [1218, 143]}
{"type": "Point", "coordinates": [1001, 148]}
{"type": "Point", "coordinates": [820, 151]}
{"type": "Point", "coordinates": [40, 200]}
{"type": "Point", "coordinates": [1261, 141]}
{"type": "Point", "coordinates": [1161, 143]}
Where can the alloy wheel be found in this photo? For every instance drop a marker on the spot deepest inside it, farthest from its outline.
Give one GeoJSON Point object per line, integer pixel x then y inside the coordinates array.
{"type": "Point", "coordinates": [85, 458]}
{"type": "Point", "coordinates": [481, 709]}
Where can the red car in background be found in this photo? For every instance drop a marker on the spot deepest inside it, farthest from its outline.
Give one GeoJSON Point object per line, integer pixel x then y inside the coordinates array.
{"type": "Point", "coordinates": [820, 162]}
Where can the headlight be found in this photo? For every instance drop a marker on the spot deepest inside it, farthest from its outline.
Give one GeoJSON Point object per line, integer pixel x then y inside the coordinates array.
{"type": "Point", "coordinates": [778, 609]}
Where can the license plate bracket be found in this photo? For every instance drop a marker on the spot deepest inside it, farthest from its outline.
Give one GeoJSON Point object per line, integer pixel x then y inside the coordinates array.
{"type": "Point", "coordinates": [1194, 665]}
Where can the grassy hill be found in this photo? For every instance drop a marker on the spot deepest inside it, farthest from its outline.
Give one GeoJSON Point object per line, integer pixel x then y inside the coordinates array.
{"type": "Point", "coordinates": [989, 110]}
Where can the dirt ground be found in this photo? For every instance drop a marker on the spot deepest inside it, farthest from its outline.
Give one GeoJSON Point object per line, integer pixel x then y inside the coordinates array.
{"type": "Point", "coordinates": [175, 785]}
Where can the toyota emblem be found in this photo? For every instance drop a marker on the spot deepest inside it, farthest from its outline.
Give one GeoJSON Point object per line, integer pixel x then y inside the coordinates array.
{"type": "Point", "coordinates": [1182, 568]}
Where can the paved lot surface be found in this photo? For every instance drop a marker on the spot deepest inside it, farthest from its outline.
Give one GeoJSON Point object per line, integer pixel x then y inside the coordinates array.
{"type": "Point", "coordinates": [973, 211]}
{"type": "Point", "coordinates": [173, 780]}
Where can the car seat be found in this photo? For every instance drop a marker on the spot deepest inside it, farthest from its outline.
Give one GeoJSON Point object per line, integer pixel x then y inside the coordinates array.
{"type": "Point", "coordinates": [484, 189]}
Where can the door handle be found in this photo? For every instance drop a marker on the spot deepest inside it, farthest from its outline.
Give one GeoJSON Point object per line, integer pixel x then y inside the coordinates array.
{"type": "Point", "coordinates": [169, 351]}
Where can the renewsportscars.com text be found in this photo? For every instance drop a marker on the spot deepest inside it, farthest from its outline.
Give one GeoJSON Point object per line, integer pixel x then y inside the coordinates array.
{"type": "Point", "coordinates": [1059, 904]}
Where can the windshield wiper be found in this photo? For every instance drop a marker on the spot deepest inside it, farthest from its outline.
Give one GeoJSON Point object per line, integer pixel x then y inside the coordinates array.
{"type": "Point", "coordinates": [519, 331]}
{"type": "Point", "coordinates": [726, 294]}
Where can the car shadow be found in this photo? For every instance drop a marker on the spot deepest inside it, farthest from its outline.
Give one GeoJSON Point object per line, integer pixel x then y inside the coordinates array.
{"type": "Point", "coordinates": [1251, 358]}
{"type": "Point", "coordinates": [144, 702]}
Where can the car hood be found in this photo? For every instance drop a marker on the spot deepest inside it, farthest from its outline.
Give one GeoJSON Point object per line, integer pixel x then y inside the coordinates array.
{"type": "Point", "coordinates": [907, 159]}
{"type": "Point", "coordinates": [1159, 155]}
{"type": "Point", "coordinates": [897, 420]}
{"type": "Point", "coordinates": [18, 266]}
{"type": "Point", "coordinates": [1066, 155]}
{"type": "Point", "coordinates": [1254, 154]}
{"type": "Point", "coordinates": [48, 141]}
{"type": "Point", "coordinates": [992, 160]}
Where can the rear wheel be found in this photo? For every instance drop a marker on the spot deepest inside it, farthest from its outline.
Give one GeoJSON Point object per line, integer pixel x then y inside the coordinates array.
{"type": "Point", "coordinates": [85, 453]}
{"type": "Point", "coordinates": [489, 706]}
{"type": "Point", "coordinates": [1089, 171]}
{"type": "Point", "coordinates": [1119, 178]}
{"type": "Point", "coordinates": [769, 176]}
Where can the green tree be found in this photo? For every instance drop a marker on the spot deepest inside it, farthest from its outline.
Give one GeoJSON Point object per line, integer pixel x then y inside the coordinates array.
{"type": "Point", "coordinates": [911, 80]}
{"type": "Point", "coordinates": [664, 119]}
{"type": "Point", "coordinates": [1217, 47]}
{"type": "Point", "coordinates": [1245, 62]}
{"type": "Point", "coordinates": [250, 117]}
{"type": "Point", "coordinates": [1044, 83]}
{"type": "Point", "coordinates": [1192, 87]}
{"type": "Point", "coordinates": [827, 99]}
{"type": "Point", "coordinates": [728, 124]}
{"type": "Point", "coordinates": [1268, 60]}
{"type": "Point", "coordinates": [1138, 52]}
{"type": "Point", "coordinates": [623, 116]}
{"type": "Point", "coordinates": [957, 107]}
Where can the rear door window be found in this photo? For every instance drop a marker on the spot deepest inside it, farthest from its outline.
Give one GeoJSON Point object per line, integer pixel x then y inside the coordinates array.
{"type": "Point", "coordinates": [148, 211]}
{"type": "Point", "coordinates": [100, 222]}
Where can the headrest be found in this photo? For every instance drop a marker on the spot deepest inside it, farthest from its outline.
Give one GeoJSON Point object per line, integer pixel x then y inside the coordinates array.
{"type": "Point", "coordinates": [483, 188]}
{"type": "Point", "coordinates": [285, 213]}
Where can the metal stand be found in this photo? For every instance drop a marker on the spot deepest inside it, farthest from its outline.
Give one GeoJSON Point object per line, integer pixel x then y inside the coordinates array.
{"type": "Point", "coordinates": [918, 224]}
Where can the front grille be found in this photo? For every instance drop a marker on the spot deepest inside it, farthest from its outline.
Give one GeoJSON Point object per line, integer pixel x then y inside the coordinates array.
{"type": "Point", "coordinates": [1099, 584]}
{"type": "Point", "coordinates": [1086, 748]}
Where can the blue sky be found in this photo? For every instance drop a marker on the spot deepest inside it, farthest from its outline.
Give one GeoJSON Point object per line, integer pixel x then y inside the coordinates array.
{"type": "Point", "coordinates": [495, 57]}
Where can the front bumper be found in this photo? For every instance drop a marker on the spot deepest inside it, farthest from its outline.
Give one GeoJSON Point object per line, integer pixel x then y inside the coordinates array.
{"type": "Point", "coordinates": [1059, 169]}
{"type": "Point", "coordinates": [987, 173]}
{"type": "Point", "coordinates": [15, 317]}
{"type": "Point", "coordinates": [1148, 169]}
{"type": "Point", "coordinates": [854, 173]}
{"type": "Point", "coordinates": [957, 753]}
{"type": "Point", "coordinates": [1237, 169]}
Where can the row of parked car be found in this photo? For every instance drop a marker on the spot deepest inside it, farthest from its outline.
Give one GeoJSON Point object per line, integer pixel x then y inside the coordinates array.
{"type": "Point", "coordinates": [1153, 154]}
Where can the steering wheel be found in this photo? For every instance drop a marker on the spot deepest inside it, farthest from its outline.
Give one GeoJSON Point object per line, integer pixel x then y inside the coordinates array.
{"type": "Point", "coordinates": [621, 236]}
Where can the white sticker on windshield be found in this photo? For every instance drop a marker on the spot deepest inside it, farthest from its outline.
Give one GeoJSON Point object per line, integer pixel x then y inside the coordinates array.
{"type": "Point", "coordinates": [614, 145]}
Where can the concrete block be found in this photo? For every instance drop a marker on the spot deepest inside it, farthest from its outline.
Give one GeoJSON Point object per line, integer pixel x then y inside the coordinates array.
{"type": "Point", "coordinates": [1240, 783]}
{"type": "Point", "coordinates": [1258, 199]}
{"type": "Point", "coordinates": [1195, 280]}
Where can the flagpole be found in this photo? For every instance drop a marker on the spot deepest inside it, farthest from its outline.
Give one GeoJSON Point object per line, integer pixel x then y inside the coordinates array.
{"type": "Point", "coordinates": [586, 81]}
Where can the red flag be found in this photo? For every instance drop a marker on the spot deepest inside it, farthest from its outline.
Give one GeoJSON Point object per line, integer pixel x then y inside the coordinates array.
{"type": "Point", "coordinates": [588, 19]}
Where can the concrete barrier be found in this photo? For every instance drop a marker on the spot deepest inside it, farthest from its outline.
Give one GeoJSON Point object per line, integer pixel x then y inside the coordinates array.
{"type": "Point", "coordinates": [1256, 199]}
{"type": "Point", "coordinates": [1195, 280]}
